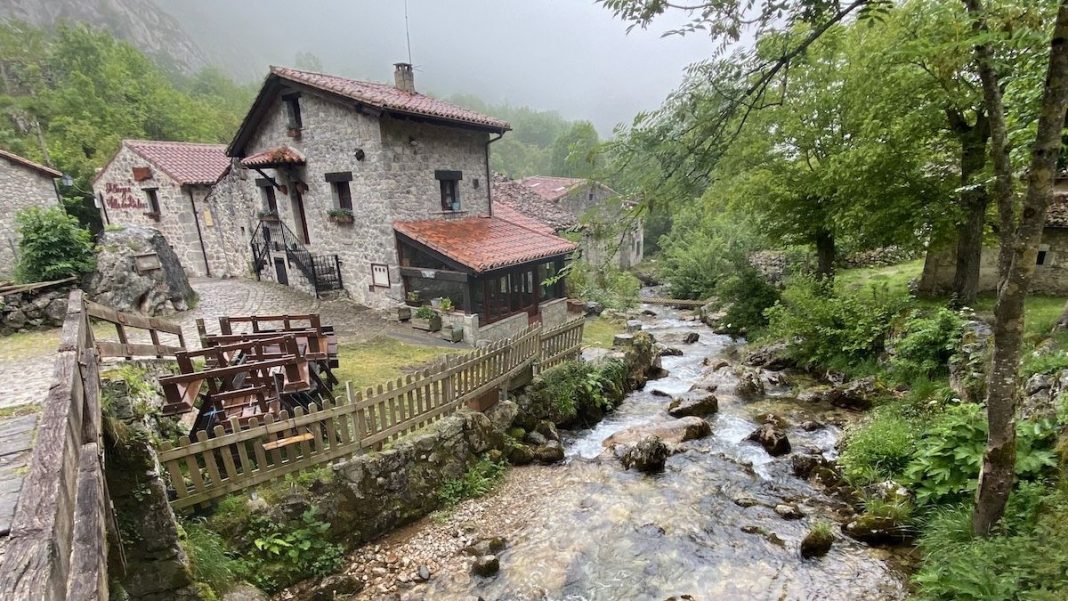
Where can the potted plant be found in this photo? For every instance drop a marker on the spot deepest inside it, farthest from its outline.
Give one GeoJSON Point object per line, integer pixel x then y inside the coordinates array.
{"type": "Point", "coordinates": [404, 313]}
{"type": "Point", "coordinates": [445, 305]}
{"type": "Point", "coordinates": [426, 319]}
{"type": "Point", "coordinates": [412, 299]}
{"type": "Point", "coordinates": [341, 215]}
{"type": "Point", "coordinates": [268, 215]}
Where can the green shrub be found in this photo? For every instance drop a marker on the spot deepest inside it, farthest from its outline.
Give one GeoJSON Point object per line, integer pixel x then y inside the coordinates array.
{"type": "Point", "coordinates": [945, 464]}
{"type": "Point", "coordinates": [825, 327]}
{"type": "Point", "coordinates": [1025, 560]}
{"type": "Point", "coordinates": [282, 554]}
{"type": "Point", "coordinates": [52, 246]}
{"type": "Point", "coordinates": [927, 344]}
{"type": "Point", "coordinates": [878, 450]}
{"type": "Point", "coordinates": [580, 392]}
{"type": "Point", "coordinates": [1043, 363]}
{"type": "Point", "coordinates": [610, 286]}
{"type": "Point", "coordinates": [478, 480]}
{"type": "Point", "coordinates": [702, 251]}
{"type": "Point", "coordinates": [747, 296]}
{"type": "Point", "coordinates": [213, 563]}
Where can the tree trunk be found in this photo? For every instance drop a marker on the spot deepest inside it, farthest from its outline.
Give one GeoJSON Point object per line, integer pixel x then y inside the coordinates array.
{"type": "Point", "coordinates": [973, 200]}
{"type": "Point", "coordinates": [825, 254]}
{"type": "Point", "coordinates": [997, 473]}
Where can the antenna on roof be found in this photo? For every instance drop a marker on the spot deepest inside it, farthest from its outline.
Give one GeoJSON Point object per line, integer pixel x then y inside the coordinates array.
{"type": "Point", "coordinates": [407, 33]}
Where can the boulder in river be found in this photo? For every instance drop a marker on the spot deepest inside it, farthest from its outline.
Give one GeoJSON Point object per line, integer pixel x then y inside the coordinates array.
{"type": "Point", "coordinates": [815, 466]}
{"type": "Point", "coordinates": [877, 530]}
{"type": "Point", "coordinates": [520, 454]}
{"type": "Point", "coordinates": [337, 586]}
{"type": "Point", "coordinates": [673, 432]}
{"type": "Point", "coordinates": [750, 386]}
{"type": "Point", "coordinates": [771, 357]}
{"type": "Point", "coordinates": [670, 351]}
{"type": "Point", "coordinates": [548, 429]}
{"type": "Point", "coordinates": [551, 452]}
{"type": "Point", "coordinates": [486, 566]}
{"type": "Point", "coordinates": [691, 338]}
{"type": "Point", "coordinates": [696, 403]}
{"type": "Point", "coordinates": [857, 395]}
{"type": "Point", "coordinates": [773, 439]}
{"type": "Point", "coordinates": [817, 542]}
{"type": "Point", "coordinates": [788, 511]}
{"type": "Point", "coordinates": [648, 456]}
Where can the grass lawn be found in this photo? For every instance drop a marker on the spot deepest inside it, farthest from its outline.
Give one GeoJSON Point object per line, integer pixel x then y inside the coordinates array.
{"type": "Point", "coordinates": [382, 359]}
{"type": "Point", "coordinates": [599, 331]}
{"type": "Point", "coordinates": [1041, 311]}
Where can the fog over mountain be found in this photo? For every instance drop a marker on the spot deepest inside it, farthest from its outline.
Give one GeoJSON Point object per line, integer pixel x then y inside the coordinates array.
{"type": "Point", "coordinates": [567, 55]}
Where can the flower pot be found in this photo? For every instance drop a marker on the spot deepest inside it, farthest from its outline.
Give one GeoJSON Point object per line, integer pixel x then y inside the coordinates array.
{"type": "Point", "coordinates": [404, 313]}
{"type": "Point", "coordinates": [432, 324]}
{"type": "Point", "coordinates": [413, 302]}
{"type": "Point", "coordinates": [342, 219]}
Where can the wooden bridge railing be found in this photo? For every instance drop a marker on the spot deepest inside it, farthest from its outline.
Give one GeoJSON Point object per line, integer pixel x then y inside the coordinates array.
{"type": "Point", "coordinates": [58, 545]}
{"type": "Point", "coordinates": [260, 451]}
{"type": "Point", "coordinates": [124, 348]}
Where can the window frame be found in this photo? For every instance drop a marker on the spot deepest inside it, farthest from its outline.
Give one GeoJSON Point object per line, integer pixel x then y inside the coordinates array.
{"type": "Point", "coordinates": [341, 189]}
{"type": "Point", "coordinates": [449, 181]}
{"type": "Point", "coordinates": [294, 120]}
{"type": "Point", "coordinates": [152, 195]}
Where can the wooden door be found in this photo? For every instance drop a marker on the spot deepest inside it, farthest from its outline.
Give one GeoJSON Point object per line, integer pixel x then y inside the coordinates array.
{"type": "Point", "coordinates": [280, 275]}
{"type": "Point", "coordinates": [298, 210]}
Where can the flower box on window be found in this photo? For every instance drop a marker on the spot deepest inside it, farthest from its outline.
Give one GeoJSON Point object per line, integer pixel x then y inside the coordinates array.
{"type": "Point", "coordinates": [269, 216]}
{"type": "Point", "coordinates": [341, 216]}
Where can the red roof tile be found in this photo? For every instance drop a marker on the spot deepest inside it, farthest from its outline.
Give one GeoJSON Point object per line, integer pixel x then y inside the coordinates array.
{"type": "Point", "coordinates": [507, 212]}
{"type": "Point", "coordinates": [390, 98]}
{"type": "Point", "coordinates": [279, 155]}
{"type": "Point", "coordinates": [551, 188]}
{"type": "Point", "coordinates": [530, 204]}
{"type": "Point", "coordinates": [14, 158]}
{"type": "Point", "coordinates": [1057, 213]}
{"type": "Point", "coordinates": [188, 163]}
{"type": "Point", "coordinates": [484, 243]}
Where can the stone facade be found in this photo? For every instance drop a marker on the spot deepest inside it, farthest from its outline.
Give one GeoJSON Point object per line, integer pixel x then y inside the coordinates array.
{"type": "Point", "coordinates": [551, 313]}
{"type": "Point", "coordinates": [23, 187]}
{"type": "Point", "coordinates": [1051, 275]}
{"type": "Point", "coordinates": [124, 201]}
{"type": "Point", "coordinates": [394, 180]}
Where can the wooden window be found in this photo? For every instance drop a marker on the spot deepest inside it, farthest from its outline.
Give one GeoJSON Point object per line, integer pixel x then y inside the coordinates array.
{"type": "Point", "coordinates": [292, 103]}
{"type": "Point", "coordinates": [449, 182]}
{"type": "Point", "coordinates": [153, 203]}
{"type": "Point", "coordinates": [342, 192]}
{"type": "Point", "coordinates": [269, 199]}
{"type": "Point", "coordinates": [140, 174]}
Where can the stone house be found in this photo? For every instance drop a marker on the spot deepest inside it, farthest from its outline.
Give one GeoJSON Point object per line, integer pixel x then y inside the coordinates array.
{"type": "Point", "coordinates": [384, 193]}
{"type": "Point", "coordinates": [597, 208]}
{"type": "Point", "coordinates": [1051, 270]}
{"type": "Point", "coordinates": [25, 184]}
{"type": "Point", "coordinates": [165, 185]}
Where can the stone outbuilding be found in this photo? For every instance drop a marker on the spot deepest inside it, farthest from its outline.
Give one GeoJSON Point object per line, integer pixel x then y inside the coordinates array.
{"type": "Point", "coordinates": [379, 191]}
{"type": "Point", "coordinates": [25, 184]}
{"type": "Point", "coordinates": [1051, 269]}
{"type": "Point", "coordinates": [165, 185]}
{"type": "Point", "coordinates": [597, 209]}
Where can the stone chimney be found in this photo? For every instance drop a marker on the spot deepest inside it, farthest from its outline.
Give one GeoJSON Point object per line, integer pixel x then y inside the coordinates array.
{"type": "Point", "coordinates": [403, 77]}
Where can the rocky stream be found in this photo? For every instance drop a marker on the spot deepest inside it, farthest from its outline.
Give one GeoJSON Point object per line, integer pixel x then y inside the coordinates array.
{"type": "Point", "coordinates": [723, 520]}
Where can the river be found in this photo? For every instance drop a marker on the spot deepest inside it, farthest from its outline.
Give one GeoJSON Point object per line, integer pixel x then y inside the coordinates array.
{"type": "Point", "coordinates": [588, 530]}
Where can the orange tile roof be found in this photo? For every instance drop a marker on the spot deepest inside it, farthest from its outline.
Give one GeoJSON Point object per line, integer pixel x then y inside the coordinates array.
{"type": "Point", "coordinates": [507, 212]}
{"type": "Point", "coordinates": [279, 155]}
{"type": "Point", "coordinates": [188, 163]}
{"type": "Point", "coordinates": [484, 243]}
{"type": "Point", "coordinates": [14, 158]}
{"type": "Point", "coordinates": [390, 98]}
{"type": "Point", "coordinates": [551, 188]}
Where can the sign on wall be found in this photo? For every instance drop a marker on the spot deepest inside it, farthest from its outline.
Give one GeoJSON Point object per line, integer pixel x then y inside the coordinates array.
{"type": "Point", "coordinates": [122, 197]}
{"type": "Point", "coordinates": [379, 275]}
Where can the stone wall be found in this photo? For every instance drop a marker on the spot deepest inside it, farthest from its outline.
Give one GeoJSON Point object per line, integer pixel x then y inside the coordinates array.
{"type": "Point", "coordinates": [394, 181]}
{"type": "Point", "coordinates": [377, 492]}
{"type": "Point", "coordinates": [20, 188]}
{"type": "Point", "coordinates": [40, 308]}
{"type": "Point", "coordinates": [234, 207]}
{"type": "Point", "coordinates": [126, 203]}
{"type": "Point", "coordinates": [1051, 278]}
{"type": "Point", "coordinates": [595, 201]}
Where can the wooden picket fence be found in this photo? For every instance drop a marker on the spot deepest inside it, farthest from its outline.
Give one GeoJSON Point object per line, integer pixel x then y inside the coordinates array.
{"type": "Point", "coordinates": [261, 451]}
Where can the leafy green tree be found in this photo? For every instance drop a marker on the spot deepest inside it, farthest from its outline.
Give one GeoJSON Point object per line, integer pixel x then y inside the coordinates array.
{"type": "Point", "coordinates": [52, 246]}
{"type": "Point", "coordinates": [577, 152]}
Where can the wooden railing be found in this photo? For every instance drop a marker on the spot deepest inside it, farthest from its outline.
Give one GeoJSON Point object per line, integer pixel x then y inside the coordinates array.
{"type": "Point", "coordinates": [260, 451]}
{"type": "Point", "coordinates": [58, 545]}
{"type": "Point", "coordinates": [124, 348]}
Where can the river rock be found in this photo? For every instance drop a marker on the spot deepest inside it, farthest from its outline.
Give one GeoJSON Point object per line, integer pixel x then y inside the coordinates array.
{"type": "Point", "coordinates": [633, 326]}
{"type": "Point", "coordinates": [691, 338]}
{"type": "Point", "coordinates": [788, 511]}
{"type": "Point", "coordinates": [771, 357]}
{"type": "Point", "coordinates": [337, 586]}
{"type": "Point", "coordinates": [771, 537]}
{"type": "Point", "coordinates": [750, 386]}
{"type": "Point", "coordinates": [674, 432]}
{"type": "Point", "coordinates": [550, 452]}
{"type": "Point", "coordinates": [816, 466]}
{"type": "Point", "coordinates": [503, 414]}
{"type": "Point", "coordinates": [535, 438]}
{"type": "Point", "coordinates": [876, 530]}
{"type": "Point", "coordinates": [486, 566]}
{"type": "Point", "coordinates": [648, 456]}
{"type": "Point", "coordinates": [816, 543]}
{"type": "Point", "coordinates": [118, 283]}
{"type": "Point", "coordinates": [660, 393]}
{"type": "Point", "coordinates": [813, 394]}
{"type": "Point", "coordinates": [245, 592]}
{"type": "Point", "coordinates": [773, 439]}
{"type": "Point", "coordinates": [696, 403]}
{"type": "Point", "coordinates": [486, 546]}
{"type": "Point", "coordinates": [812, 425]}
{"type": "Point", "coordinates": [857, 395]}
{"type": "Point", "coordinates": [520, 454]}
{"type": "Point", "coordinates": [422, 574]}
{"type": "Point", "coordinates": [548, 429]}
{"type": "Point", "coordinates": [670, 351]}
